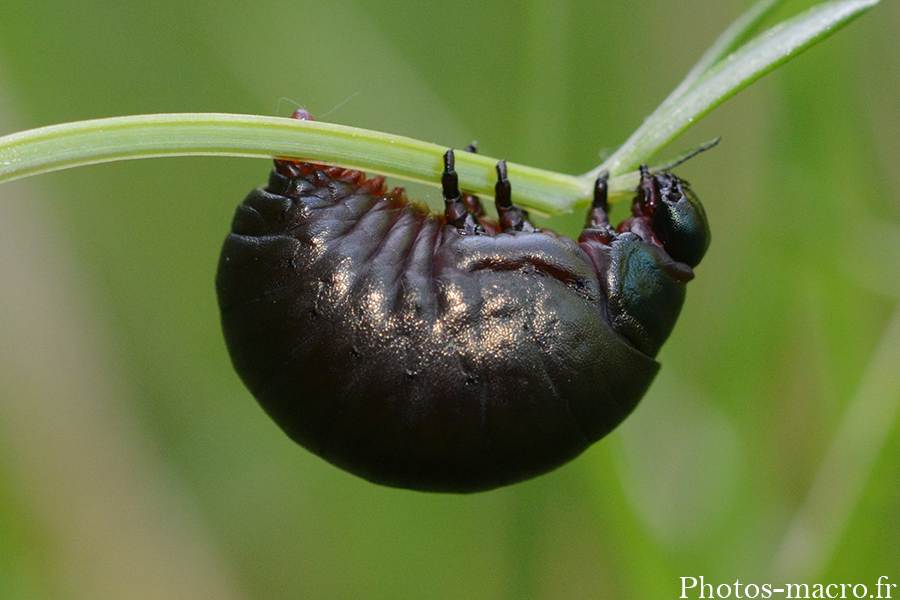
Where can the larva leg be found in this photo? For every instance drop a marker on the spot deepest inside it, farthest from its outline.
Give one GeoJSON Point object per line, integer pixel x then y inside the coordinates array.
{"type": "Point", "coordinates": [511, 218]}
{"type": "Point", "coordinates": [455, 211]}
{"type": "Point", "coordinates": [648, 197]}
{"type": "Point", "coordinates": [597, 226]}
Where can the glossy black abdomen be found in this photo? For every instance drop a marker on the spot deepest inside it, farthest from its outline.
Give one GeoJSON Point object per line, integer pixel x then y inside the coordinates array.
{"type": "Point", "coordinates": [398, 348]}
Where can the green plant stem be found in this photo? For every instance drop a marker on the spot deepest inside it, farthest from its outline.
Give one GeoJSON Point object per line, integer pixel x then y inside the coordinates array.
{"type": "Point", "coordinates": [736, 33]}
{"type": "Point", "coordinates": [87, 142]}
{"type": "Point", "coordinates": [720, 73]}
{"type": "Point", "coordinates": [719, 76]}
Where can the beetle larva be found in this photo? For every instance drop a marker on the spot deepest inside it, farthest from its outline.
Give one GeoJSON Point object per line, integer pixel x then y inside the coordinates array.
{"type": "Point", "coordinates": [449, 352]}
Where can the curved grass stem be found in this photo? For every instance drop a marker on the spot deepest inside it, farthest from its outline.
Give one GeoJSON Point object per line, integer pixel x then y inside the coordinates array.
{"type": "Point", "coordinates": [190, 134]}
{"type": "Point", "coordinates": [720, 73]}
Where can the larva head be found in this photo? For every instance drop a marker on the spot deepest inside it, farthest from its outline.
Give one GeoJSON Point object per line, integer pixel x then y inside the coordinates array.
{"type": "Point", "coordinates": [649, 258]}
{"type": "Point", "coordinates": [677, 218]}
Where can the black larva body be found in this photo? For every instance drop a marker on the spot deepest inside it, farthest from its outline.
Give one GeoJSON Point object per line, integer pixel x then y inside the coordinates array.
{"type": "Point", "coordinates": [431, 351]}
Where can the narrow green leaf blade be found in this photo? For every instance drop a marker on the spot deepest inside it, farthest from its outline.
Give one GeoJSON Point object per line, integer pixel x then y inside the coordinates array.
{"type": "Point", "coordinates": [737, 33]}
{"type": "Point", "coordinates": [741, 68]}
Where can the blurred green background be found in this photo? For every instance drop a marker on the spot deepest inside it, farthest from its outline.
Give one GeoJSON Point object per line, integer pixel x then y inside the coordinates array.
{"type": "Point", "coordinates": [133, 463]}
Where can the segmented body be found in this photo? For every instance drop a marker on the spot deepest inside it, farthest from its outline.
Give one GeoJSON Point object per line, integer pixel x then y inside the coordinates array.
{"type": "Point", "coordinates": [437, 352]}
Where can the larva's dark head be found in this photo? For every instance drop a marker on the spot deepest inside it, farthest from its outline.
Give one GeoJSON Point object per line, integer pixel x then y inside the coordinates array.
{"type": "Point", "coordinates": [676, 216]}
{"type": "Point", "coordinates": [647, 260]}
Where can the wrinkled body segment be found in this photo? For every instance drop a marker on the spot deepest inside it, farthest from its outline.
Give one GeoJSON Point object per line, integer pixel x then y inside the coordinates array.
{"type": "Point", "coordinates": [440, 352]}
